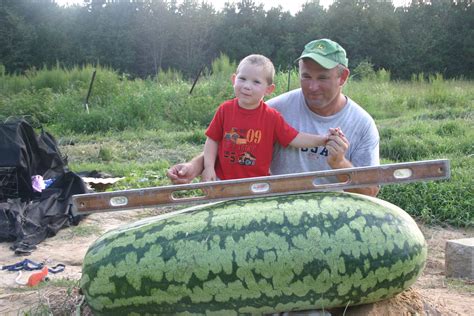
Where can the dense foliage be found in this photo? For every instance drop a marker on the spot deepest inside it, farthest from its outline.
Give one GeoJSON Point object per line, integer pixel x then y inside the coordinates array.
{"type": "Point", "coordinates": [143, 37]}
{"type": "Point", "coordinates": [138, 128]}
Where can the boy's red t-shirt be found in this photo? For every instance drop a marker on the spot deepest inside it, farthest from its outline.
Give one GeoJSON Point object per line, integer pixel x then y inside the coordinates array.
{"type": "Point", "coordinates": [246, 139]}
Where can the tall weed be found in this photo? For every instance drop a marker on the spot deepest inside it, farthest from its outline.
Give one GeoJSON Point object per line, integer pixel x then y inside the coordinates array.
{"type": "Point", "coordinates": [13, 84]}
{"type": "Point", "coordinates": [56, 78]}
{"type": "Point", "coordinates": [39, 105]}
{"type": "Point", "coordinates": [285, 81]}
{"type": "Point", "coordinates": [168, 77]}
{"type": "Point", "coordinates": [222, 67]}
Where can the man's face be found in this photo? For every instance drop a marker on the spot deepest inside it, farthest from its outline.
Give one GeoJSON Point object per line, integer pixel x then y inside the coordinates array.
{"type": "Point", "coordinates": [320, 86]}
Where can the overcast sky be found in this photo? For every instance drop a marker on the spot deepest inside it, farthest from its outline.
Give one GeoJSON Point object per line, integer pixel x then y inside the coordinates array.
{"type": "Point", "coordinates": [292, 5]}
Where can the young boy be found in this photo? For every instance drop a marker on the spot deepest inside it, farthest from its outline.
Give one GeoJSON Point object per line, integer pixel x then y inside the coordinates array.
{"type": "Point", "coordinates": [243, 131]}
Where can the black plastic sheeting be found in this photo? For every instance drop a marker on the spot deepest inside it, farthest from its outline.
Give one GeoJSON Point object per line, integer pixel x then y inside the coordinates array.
{"type": "Point", "coordinates": [28, 217]}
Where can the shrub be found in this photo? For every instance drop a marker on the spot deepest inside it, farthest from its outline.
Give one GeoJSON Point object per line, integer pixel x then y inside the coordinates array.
{"type": "Point", "coordinates": [285, 81]}
{"type": "Point", "coordinates": [169, 77]}
{"type": "Point", "coordinates": [55, 79]}
{"type": "Point", "coordinates": [222, 67]}
{"type": "Point", "coordinates": [35, 104]}
{"type": "Point", "coordinates": [105, 154]}
{"type": "Point", "coordinates": [383, 75]}
{"type": "Point", "coordinates": [364, 71]}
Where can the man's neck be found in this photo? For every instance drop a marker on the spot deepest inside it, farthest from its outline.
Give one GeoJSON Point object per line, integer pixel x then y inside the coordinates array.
{"type": "Point", "coordinates": [334, 107]}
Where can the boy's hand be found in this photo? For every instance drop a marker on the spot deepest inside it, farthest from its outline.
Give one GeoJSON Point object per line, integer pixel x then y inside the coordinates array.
{"type": "Point", "coordinates": [209, 174]}
{"type": "Point", "coordinates": [336, 131]}
{"type": "Point", "coordinates": [337, 146]}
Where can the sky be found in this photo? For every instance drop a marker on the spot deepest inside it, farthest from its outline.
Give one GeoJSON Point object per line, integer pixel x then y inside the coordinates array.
{"type": "Point", "coordinates": [291, 5]}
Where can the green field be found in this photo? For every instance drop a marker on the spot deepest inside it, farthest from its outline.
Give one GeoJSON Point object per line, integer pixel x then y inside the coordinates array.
{"type": "Point", "coordinates": [138, 128]}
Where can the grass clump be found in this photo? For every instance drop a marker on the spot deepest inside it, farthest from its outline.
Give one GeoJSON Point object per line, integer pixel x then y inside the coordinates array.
{"type": "Point", "coordinates": [82, 231]}
{"type": "Point", "coordinates": [466, 286]}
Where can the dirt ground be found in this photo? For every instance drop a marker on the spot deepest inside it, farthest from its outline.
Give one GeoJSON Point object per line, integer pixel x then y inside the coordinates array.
{"type": "Point", "coordinates": [432, 294]}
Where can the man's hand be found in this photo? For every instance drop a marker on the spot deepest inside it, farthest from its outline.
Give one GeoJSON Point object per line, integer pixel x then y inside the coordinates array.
{"type": "Point", "coordinates": [180, 173]}
{"type": "Point", "coordinates": [337, 146]}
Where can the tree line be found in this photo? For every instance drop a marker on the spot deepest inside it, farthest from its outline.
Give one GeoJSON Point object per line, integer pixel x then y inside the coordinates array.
{"type": "Point", "coordinates": [143, 37]}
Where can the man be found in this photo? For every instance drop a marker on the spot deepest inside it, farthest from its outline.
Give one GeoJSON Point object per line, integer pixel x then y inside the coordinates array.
{"type": "Point", "coordinates": [314, 108]}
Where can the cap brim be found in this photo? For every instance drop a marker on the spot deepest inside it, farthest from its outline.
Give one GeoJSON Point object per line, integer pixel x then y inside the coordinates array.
{"type": "Point", "coordinates": [323, 61]}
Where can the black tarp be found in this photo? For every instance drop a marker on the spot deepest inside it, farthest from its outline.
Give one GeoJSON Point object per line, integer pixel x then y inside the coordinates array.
{"type": "Point", "coordinates": [28, 217]}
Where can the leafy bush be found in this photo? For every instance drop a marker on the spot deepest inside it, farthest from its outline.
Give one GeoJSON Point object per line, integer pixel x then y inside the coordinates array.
{"type": "Point", "coordinates": [55, 79]}
{"type": "Point", "coordinates": [13, 84]}
{"type": "Point", "coordinates": [35, 104]}
{"type": "Point", "coordinates": [169, 77]}
{"type": "Point", "coordinates": [364, 71]}
{"type": "Point", "coordinates": [383, 75]}
{"type": "Point", "coordinates": [222, 67]}
{"type": "Point", "coordinates": [285, 81]}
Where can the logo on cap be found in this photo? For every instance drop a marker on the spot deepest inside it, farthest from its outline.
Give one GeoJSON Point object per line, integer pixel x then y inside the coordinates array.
{"type": "Point", "coordinates": [325, 52]}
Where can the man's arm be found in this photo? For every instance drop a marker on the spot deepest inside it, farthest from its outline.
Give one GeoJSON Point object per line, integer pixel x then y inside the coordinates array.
{"type": "Point", "coordinates": [344, 163]}
{"type": "Point", "coordinates": [337, 146]}
{"type": "Point", "coordinates": [186, 172]}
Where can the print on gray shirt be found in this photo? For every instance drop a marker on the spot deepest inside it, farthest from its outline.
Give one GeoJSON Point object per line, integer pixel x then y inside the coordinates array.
{"type": "Point", "coordinates": [357, 125]}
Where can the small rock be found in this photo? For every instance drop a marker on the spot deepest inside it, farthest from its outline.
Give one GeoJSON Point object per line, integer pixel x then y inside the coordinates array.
{"type": "Point", "coordinates": [459, 258]}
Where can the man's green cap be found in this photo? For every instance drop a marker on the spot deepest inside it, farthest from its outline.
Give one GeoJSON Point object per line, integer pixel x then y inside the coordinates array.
{"type": "Point", "coordinates": [325, 52]}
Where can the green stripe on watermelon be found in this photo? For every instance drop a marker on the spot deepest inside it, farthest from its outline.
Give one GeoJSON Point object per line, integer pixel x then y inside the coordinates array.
{"type": "Point", "coordinates": [256, 256]}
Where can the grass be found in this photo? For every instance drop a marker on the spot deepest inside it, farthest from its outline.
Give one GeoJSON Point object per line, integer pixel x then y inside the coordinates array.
{"type": "Point", "coordinates": [460, 285]}
{"type": "Point", "coordinates": [83, 230]}
{"type": "Point", "coordinates": [138, 128]}
{"type": "Point", "coordinates": [58, 297]}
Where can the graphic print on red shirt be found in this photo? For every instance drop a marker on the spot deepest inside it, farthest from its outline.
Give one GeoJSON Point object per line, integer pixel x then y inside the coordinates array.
{"type": "Point", "coordinates": [246, 139]}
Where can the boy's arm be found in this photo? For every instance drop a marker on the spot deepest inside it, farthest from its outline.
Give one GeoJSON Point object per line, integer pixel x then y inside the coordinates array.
{"type": "Point", "coordinates": [305, 140]}
{"type": "Point", "coordinates": [210, 154]}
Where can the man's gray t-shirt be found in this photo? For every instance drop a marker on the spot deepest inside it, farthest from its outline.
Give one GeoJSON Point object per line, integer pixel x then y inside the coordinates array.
{"type": "Point", "coordinates": [356, 124]}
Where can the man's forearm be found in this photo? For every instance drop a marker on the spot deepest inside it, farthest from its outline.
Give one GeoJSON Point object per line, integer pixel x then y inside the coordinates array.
{"type": "Point", "coordinates": [198, 163]}
{"type": "Point", "coordinates": [370, 191]}
{"type": "Point", "coordinates": [344, 163]}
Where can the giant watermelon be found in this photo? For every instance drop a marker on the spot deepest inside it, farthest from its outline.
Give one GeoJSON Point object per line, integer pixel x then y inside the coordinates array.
{"type": "Point", "coordinates": [294, 252]}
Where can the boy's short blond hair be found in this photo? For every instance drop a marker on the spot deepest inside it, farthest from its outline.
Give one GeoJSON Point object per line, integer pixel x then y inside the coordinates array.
{"type": "Point", "coordinates": [261, 61]}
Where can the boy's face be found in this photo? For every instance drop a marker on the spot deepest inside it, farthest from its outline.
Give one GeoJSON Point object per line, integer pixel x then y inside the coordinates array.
{"type": "Point", "coordinates": [251, 85]}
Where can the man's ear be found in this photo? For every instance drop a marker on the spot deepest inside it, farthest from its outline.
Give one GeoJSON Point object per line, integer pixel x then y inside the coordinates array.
{"type": "Point", "coordinates": [270, 89]}
{"type": "Point", "coordinates": [344, 76]}
{"type": "Point", "coordinates": [233, 78]}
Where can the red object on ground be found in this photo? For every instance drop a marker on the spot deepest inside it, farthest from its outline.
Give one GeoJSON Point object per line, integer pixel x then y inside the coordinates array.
{"type": "Point", "coordinates": [37, 277]}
